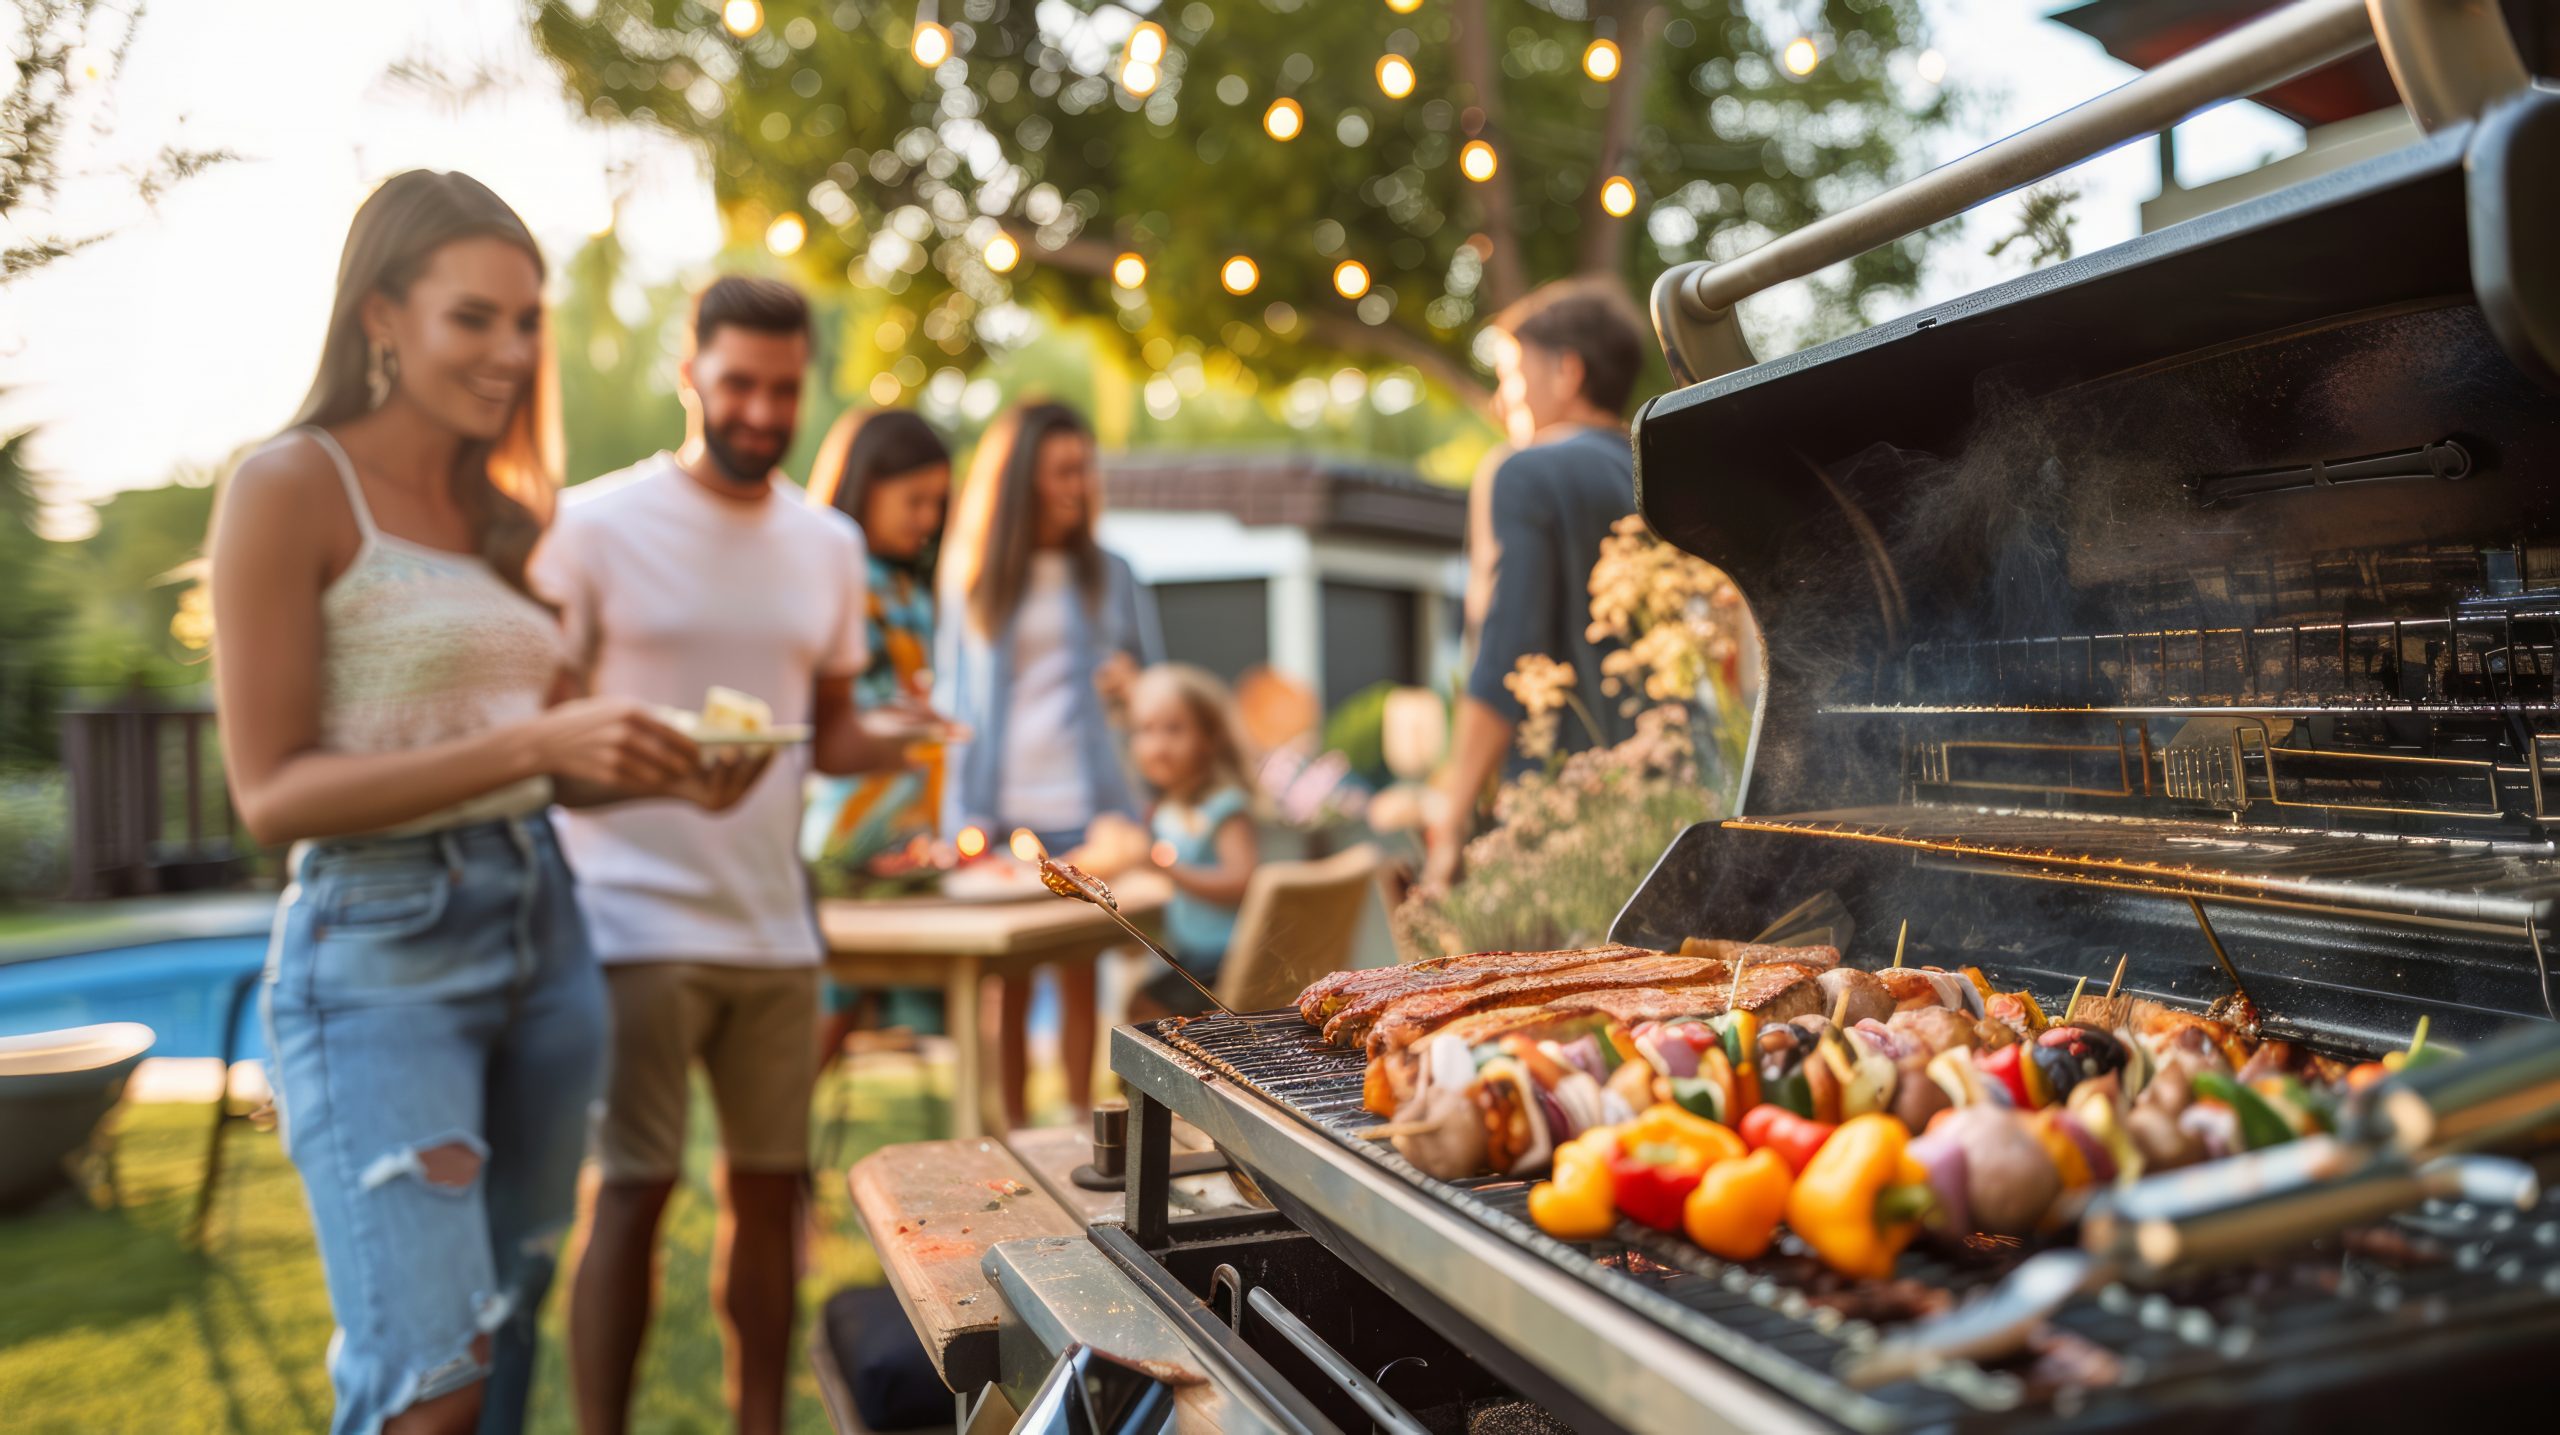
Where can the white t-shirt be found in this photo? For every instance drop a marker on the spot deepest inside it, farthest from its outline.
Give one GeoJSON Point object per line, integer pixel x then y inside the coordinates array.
{"type": "Point", "coordinates": [1042, 786]}
{"type": "Point", "coordinates": [665, 590]}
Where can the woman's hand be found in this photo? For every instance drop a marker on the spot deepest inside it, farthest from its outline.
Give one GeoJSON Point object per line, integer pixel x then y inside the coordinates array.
{"type": "Point", "coordinates": [725, 782]}
{"type": "Point", "coordinates": [1112, 678]}
{"type": "Point", "coordinates": [616, 744]}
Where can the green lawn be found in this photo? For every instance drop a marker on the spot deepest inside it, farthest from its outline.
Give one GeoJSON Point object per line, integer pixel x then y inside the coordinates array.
{"type": "Point", "coordinates": [109, 1323]}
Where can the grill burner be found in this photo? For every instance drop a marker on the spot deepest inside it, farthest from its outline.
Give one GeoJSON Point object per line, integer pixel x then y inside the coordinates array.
{"type": "Point", "coordinates": [2370, 1301]}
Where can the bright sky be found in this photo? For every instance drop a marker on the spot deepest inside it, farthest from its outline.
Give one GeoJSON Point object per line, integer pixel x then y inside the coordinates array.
{"type": "Point", "coordinates": [193, 329]}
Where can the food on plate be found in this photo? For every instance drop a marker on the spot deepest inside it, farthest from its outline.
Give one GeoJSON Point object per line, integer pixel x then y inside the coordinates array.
{"type": "Point", "coordinates": [727, 710]}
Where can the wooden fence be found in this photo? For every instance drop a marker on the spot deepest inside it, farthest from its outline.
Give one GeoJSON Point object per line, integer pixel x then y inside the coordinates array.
{"type": "Point", "coordinates": [149, 811]}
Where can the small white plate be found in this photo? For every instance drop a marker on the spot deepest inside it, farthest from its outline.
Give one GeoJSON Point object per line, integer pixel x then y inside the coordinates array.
{"type": "Point", "coordinates": [779, 735]}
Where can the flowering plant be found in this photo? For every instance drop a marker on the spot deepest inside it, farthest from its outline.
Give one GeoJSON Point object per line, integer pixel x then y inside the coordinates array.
{"type": "Point", "coordinates": [1571, 842]}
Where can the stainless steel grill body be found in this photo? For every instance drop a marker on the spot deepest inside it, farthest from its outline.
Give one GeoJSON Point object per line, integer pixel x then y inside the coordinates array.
{"type": "Point", "coordinates": [2214, 574]}
{"type": "Point", "coordinates": [1646, 1332]}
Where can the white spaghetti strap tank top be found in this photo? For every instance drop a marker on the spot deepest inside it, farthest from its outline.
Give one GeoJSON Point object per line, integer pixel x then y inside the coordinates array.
{"type": "Point", "coordinates": [422, 646]}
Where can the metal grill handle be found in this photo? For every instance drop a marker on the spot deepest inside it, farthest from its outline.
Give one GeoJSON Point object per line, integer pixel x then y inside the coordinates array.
{"type": "Point", "coordinates": [2450, 58]}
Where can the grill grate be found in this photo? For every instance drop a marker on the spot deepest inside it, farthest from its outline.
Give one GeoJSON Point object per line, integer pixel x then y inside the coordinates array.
{"type": "Point", "coordinates": [1786, 1322]}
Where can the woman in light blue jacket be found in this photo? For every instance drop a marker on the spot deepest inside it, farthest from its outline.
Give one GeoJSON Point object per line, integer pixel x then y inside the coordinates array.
{"type": "Point", "coordinates": [1041, 635]}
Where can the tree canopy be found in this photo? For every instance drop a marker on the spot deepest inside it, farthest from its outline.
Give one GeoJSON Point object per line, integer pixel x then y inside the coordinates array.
{"type": "Point", "coordinates": [1046, 144]}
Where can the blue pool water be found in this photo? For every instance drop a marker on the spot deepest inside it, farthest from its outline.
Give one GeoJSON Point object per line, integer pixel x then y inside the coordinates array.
{"type": "Point", "coordinates": [180, 988]}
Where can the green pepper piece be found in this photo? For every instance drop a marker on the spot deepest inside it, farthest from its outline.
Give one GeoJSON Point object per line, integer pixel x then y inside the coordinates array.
{"type": "Point", "coordinates": [2319, 1105]}
{"type": "Point", "coordinates": [2260, 1126]}
{"type": "Point", "coordinates": [1791, 1091]}
{"type": "Point", "coordinates": [1698, 1096]}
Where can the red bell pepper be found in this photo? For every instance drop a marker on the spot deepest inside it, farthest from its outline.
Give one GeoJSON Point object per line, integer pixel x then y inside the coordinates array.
{"type": "Point", "coordinates": [2015, 1074]}
{"type": "Point", "coordinates": [1795, 1138]}
{"type": "Point", "coordinates": [1651, 1181]}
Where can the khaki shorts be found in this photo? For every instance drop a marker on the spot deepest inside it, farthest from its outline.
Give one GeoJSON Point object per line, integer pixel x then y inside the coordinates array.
{"type": "Point", "coordinates": [755, 1031]}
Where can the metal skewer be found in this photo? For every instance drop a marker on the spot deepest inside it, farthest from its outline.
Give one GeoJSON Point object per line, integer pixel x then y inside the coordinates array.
{"type": "Point", "coordinates": [1067, 881]}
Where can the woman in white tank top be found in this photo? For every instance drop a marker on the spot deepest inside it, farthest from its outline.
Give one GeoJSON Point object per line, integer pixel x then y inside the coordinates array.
{"type": "Point", "coordinates": [385, 683]}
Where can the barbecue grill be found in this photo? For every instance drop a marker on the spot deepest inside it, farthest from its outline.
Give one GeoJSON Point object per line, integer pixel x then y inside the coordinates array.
{"type": "Point", "coordinates": [2198, 599]}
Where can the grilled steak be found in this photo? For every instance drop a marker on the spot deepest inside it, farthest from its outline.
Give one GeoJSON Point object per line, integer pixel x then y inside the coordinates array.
{"type": "Point", "coordinates": [1354, 1006]}
{"type": "Point", "coordinates": [1414, 1017]}
{"type": "Point", "coordinates": [1347, 1004]}
{"type": "Point", "coordinates": [1779, 991]}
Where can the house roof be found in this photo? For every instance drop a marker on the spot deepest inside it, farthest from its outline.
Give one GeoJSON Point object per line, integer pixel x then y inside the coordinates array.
{"type": "Point", "coordinates": [1297, 490]}
{"type": "Point", "coordinates": [2146, 32]}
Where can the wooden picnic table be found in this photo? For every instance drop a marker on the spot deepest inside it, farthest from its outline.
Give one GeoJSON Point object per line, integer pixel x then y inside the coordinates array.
{"type": "Point", "coordinates": [954, 945]}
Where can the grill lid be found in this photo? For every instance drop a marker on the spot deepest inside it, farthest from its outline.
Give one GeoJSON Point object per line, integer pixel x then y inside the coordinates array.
{"type": "Point", "coordinates": [2220, 565]}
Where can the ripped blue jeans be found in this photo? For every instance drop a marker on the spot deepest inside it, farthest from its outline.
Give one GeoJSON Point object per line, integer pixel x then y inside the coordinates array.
{"type": "Point", "coordinates": [436, 1025]}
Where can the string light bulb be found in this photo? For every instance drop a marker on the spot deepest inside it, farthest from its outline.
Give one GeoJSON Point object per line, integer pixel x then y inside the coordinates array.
{"type": "Point", "coordinates": [1404, 7]}
{"type": "Point", "coordinates": [1932, 67]}
{"type": "Point", "coordinates": [1618, 196]}
{"type": "Point", "coordinates": [1351, 279]}
{"type": "Point", "coordinates": [1146, 43]}
{"type": "Point", "coordinates": [1239, 274]}
{"type": "Point", "coordinates": [1002, 253]}
{"type": "Point", "coordinates": [1139, 77]}
{"type": "Point", "coordinates": [786, 234]}
{"type": "Point", "coordinates": [1800, 56]}
{"type": "Point", "coordinates": [1129, 271]}
{"type": "Point", "coordinates": [972, 840]}
{"type": "Point", "coordinates": [1478, 161]}
{"type": "Point", "coordinates": [1601, 60]}
{"type": "Point", "coordinates": [743, 17]}
{"type": "Point", "coordinates": [930, 45]}
{"type": "Point", "coordinates": [1284, 120]}
{"type": "Point", "coordinates": [1026, 845]}
{"type": "Point", "coordinates": [1395, 76]}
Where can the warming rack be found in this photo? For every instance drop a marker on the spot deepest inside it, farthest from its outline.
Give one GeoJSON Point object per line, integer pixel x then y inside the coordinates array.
{"type": "Point", "coordinates": [2499, 888]}
{"type": "Point", "coordinates": [2494, 661]}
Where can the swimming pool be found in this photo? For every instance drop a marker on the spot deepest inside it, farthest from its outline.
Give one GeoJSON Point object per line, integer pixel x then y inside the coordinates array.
{"type": "Point", "coordinates": [179, 983]}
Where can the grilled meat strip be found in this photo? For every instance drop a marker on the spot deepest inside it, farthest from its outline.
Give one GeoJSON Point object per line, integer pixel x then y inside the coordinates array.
{"type": "Point", "coordinates": [1411, 1018]}
{"type": "Point", "coordinates": [1350, 1004]}
{"type": "Point", "coordinates": [1347, 1011]}
{"type": "Point", "coordinates": [1777, 991]}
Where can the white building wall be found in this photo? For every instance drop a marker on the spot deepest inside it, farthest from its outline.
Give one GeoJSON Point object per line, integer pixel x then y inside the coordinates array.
{"type": "Point", "coordinates": [1165, 547]}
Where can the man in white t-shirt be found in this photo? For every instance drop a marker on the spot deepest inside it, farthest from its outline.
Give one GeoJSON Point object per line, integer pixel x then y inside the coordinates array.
{"type": "Point", "coordinates": [685, 571]}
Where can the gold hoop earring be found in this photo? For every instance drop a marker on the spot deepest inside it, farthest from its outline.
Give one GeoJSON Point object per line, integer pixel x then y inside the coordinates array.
{"type": "Point", "coordinates": [381, 371]}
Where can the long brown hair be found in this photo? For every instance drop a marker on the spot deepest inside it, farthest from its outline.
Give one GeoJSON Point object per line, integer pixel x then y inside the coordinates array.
{"type": "Point", "coordinates": [986, 556]}
{"type": "Point", "coordinates": [869, 446]}
{"type": "Point", "coordinates": [505, 488]}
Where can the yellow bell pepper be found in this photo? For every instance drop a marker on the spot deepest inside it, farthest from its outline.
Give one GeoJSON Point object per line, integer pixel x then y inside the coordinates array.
{"type": "Point", "coordinates": [2068, 1160]}
{"type": "Point", "coordinates": [1734, 1212]}
{"type": "Point", "coordinates": [1574, 1203]}
{"type": "Point", "coordinates": [1666, 1121]}
{"type": "Point", "coordinates": [1855, 1201]}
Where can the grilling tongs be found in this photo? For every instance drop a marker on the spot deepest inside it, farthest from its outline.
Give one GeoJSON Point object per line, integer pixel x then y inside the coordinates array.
{"type": "Point", "coordinates": [2409, 1138]}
